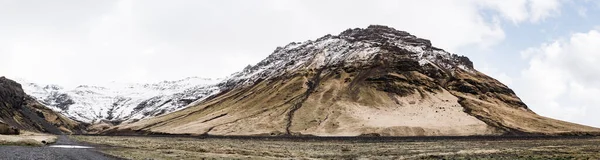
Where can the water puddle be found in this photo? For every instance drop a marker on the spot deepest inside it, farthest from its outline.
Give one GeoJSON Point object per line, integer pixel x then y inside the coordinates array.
{"type": "Point", "coordinates": [70, 146]}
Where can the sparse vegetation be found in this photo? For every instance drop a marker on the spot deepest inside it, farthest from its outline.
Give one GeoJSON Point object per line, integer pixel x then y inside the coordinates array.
{"type": "Point", "coordinates": [451, 148]}
{"type": "Point", "coordinates": [27, 139]}
{"type": "Point", "coordinates": [20, 142]}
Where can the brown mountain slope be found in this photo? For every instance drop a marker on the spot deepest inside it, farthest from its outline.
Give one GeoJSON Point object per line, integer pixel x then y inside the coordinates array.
{"type": "Point", "coordinates": [394, 84]}
{"type": "Point", "coordinates": [7, 129]}
{"type": "Point", "coordinates": [19, 110]}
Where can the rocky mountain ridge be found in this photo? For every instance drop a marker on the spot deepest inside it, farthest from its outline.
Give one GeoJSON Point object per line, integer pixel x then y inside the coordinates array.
{"type": "Point", "coordinates": [20, 111]}
{"type": "Point", "coordinates": [119, 102]}
{"type": "Point", "coordinates": [353, 47]}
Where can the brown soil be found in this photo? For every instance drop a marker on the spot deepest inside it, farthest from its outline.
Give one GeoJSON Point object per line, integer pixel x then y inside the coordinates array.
{"type": "Point", "coordinates": [351, 102]}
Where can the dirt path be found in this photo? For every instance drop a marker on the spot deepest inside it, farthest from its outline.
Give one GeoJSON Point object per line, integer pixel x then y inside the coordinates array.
{"type": "Point", "coordinates": [50, 152]}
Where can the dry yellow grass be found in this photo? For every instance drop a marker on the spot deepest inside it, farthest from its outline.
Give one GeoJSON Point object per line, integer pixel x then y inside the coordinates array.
{"type": "Point", "coordinates": [476, 148]}
{"type": "Point", "coordinates": [366, 102]}
{"type": "Point", "coordinates": [28, 139]}
{"type": "Point", "coordinates": [498, 111]}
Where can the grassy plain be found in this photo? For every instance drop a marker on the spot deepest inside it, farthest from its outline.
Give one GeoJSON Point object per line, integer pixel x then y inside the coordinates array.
{"type": "Point", "coordinates": [130, 147]}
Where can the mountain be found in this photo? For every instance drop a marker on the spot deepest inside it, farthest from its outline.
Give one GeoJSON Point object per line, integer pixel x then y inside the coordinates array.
{"type": "Point", "coordinates": [119, 102]}
{"type": "Point", "coordinates": [20, 111]}
{"type": "Point", "coordinates": [372, 81]}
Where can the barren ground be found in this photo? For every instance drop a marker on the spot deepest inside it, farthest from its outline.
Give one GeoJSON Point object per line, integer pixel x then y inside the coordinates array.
{"type": "Point", "coordinates": [27, 139]}
{"type": "Point", "coordinates": [348, 148]}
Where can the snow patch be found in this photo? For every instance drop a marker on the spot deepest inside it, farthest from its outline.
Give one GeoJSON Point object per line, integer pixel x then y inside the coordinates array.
{"type": "Point", "coordinates": [122, 101]}
{"type": "Point", "coordinates": [70, 146]}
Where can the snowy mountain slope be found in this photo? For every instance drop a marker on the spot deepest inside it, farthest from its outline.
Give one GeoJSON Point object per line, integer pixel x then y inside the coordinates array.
{"type": "Point", "coordinates": [19, 111]}
{"type": "Point", "coordinates": [119, 102]}
{"type": "Point", "coordinates": [353, 47]}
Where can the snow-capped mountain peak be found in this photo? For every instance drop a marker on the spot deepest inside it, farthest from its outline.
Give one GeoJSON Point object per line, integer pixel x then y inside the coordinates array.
{"type": "Point", "coordinates": [122, 101]}
{"type": "Point", "coordinates": [353, 47]}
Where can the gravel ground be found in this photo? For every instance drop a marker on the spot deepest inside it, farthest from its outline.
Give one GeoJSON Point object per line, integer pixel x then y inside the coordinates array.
{"type": "Point", "coordinates": [46, 152]}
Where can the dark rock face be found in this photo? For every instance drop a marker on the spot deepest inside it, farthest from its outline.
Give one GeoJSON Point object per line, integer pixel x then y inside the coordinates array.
{"type": "Point", "coordinates": [395, 47]}
{"type": "Point", "coordinates": [8, 130]}
{"type": "Point", "coordinates": [387, 37]}
{"type": "Point", "coordinates": [11, 93]}
{"type": "Point", "coordinates": [19, 111]}
{"type": "Point", "coordinates": [382, 34]}
{"type": "Point", "coordinates": [62, 101]}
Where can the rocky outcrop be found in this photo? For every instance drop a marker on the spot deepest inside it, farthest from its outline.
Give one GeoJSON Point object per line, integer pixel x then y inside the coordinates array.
{"type": "Point", "coordinates": [20, 111]}
{"type": "Point", "coordinates": [372, 81]}
{"type": "Point", "coordinates": [7, 129]}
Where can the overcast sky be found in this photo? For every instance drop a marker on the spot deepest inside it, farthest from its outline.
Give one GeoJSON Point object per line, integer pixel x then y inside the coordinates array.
{"type": "Point", "coordinates": [548, 51]}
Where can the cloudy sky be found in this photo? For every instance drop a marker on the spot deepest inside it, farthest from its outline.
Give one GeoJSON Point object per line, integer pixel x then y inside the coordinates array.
{"type": "Point", "coordinates": [548, 51]}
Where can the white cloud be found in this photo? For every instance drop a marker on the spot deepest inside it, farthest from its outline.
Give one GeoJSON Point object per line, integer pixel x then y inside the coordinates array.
{"type": "Point", "coordinates": [518, 11]}
{"type": "Point", "coordinates": [561, 80]}
{"type": "Point", "coordinates": [541, 9]}
{"type": "Point", "coordinates": [513, 10]}
{"type": "Point", "coordinates": [498, 75]}
{"type": "Point", "coordinates": [582, 11]}
{"type": "Point", "coordinates": [75, 41]}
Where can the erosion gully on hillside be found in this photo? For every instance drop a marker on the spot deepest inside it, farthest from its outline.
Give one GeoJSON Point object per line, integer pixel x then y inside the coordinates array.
{"type": "Point", "coordinates": [312, 84]}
